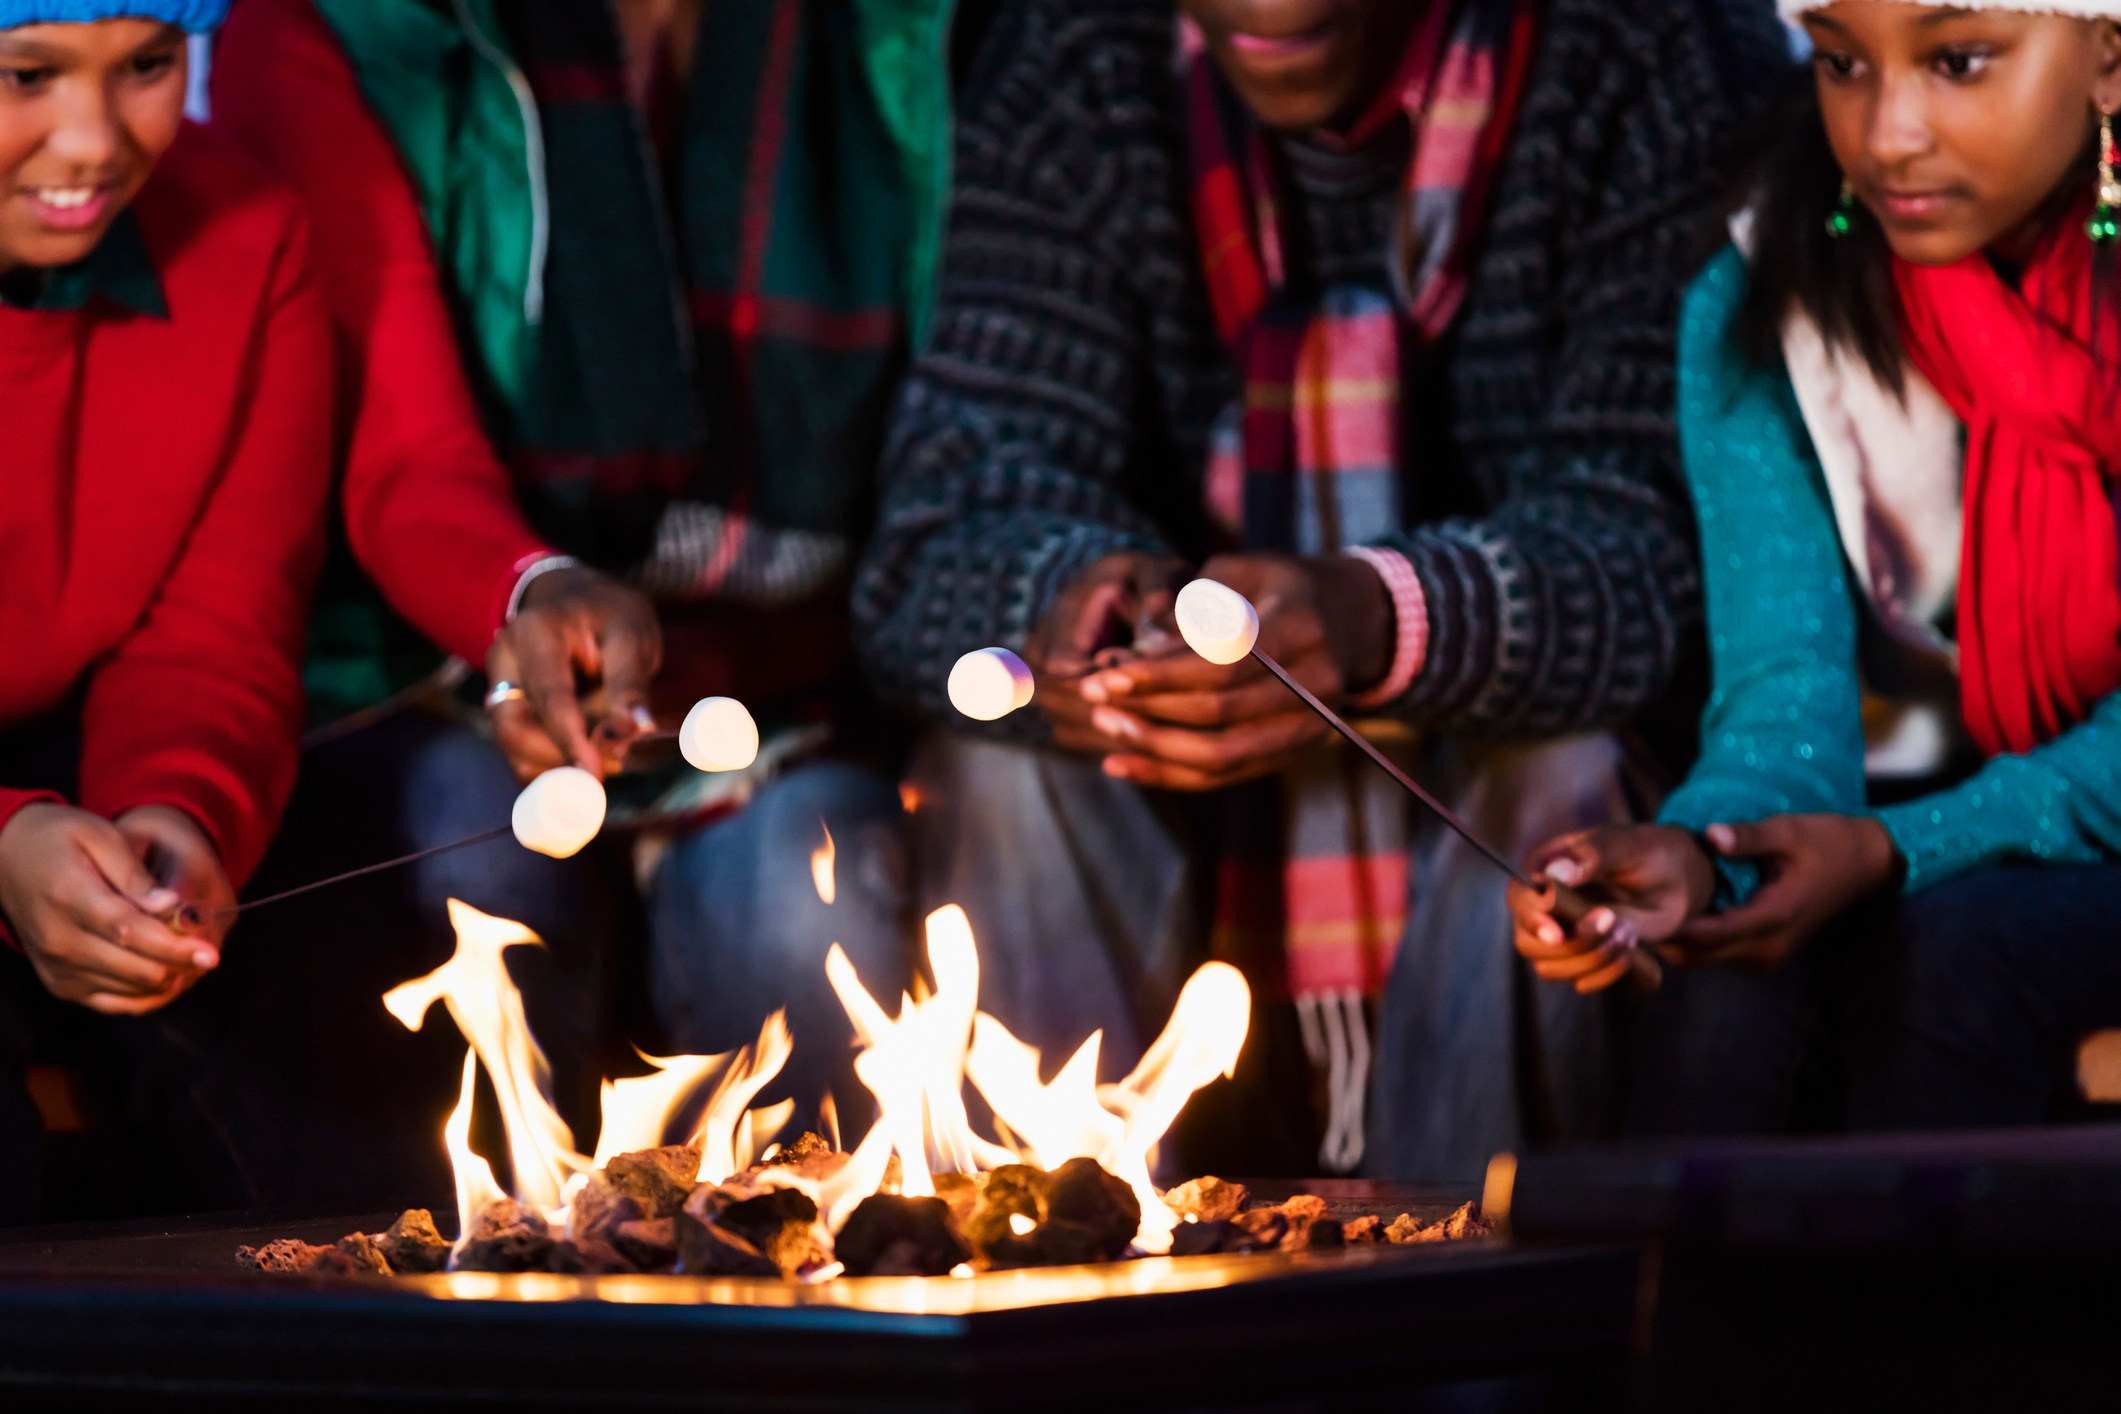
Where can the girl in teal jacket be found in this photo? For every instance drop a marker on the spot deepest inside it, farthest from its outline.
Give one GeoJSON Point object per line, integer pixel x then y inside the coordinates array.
{"type": "Point", "coordinates": [1899, 412]}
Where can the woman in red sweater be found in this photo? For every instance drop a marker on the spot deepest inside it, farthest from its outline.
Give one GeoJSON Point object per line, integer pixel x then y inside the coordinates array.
{"type": "Point", "coordinates": [165, 390]}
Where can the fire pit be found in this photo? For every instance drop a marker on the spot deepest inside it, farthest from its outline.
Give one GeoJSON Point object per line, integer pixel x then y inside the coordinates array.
{"type": "Point", "coordinates": [156, 1316]}
{"type": "Point", "coordinates": [927, 1265]}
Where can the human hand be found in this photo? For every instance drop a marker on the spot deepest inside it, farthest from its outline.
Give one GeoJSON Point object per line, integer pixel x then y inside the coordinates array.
{"type": "Point", "coordinates": [1813, 868]}
{"type": "Point", "coordinates": [1120, 606]}
{"type": "Point", "coordinates": [98, 927]}
{"type": "Point", "coordinates": [1652, 878]}
{"type": "Point", "coordinates": [574, 621]}
{"type": "Point", "coordinates": [1175, 720]}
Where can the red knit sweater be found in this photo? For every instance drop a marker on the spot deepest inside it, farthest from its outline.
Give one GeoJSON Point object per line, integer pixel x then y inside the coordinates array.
{"type": "Point", "coordinates": [429, 511]}
{"type": "Point", "coordinates": [162, 523]}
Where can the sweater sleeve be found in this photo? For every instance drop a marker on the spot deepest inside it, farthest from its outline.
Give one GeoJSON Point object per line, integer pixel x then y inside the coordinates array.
{"type": "Point", "coordinates": [429, 512]}
{"type": "Point", "coordinates": [200, 705]}
{"type": "Point", "coordinates": [1782, 732]}
{"type": "Point", "coordinates": [1565, 603]}
{"type": "Point", "coordinates": [1070, 347]}
{"type": "Point", "coordinates": [2057, 804]}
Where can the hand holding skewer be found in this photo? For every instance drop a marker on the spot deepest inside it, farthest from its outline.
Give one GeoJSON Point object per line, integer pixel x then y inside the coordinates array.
{"type": "Point", "coordinates": [1222, 627]}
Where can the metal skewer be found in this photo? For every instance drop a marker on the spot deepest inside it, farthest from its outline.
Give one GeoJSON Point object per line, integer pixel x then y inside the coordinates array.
{"type": "Point", "coordinates": [403, 859]}
{"type": "Point", "coordinates": [1569, 906]}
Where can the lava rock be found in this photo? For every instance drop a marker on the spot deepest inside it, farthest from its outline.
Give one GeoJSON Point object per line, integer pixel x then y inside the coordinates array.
{"type": "Point", "coordinates": [1201, 1238]}
{"type": "Point", "coordinates": [506, 1237]}
{"type": "Point", "coordinates": [649, 1243]}
{"type": "Point", "coordinates": [793, 1155]}
{"type": "Point", "coordinates": [1264, 1229]}
{"type": "Point", "coordinates": [657, 1180]}
{"type": "Point", "coordinates": [890, 1235]}
{"type": "Point", "coordinates": [360, 1254]}
{"type": "Point", "coordinates": [413, 1245]}
{"type": "Point", "coordinates": [599, 1209]}
{"type": "Point", "coordinates": [1082, 1194]}
{"type": "Point", "coordinates": [589, 1256]}
{"type": "Point", "coordinates": [288, 1256]}
{"type": "Point", "coordinates": [1363, 1231]}
{"type": "Point", "coordinates": [962, 1192]}
{"type": "Point", "coordinates": [705, 1249]}
{"type": "Point", "coordinates": [1464, 1222]}
{"type": "Point", "coordinates": [781, 1223]}
{"type": "Point", "coordinates": [1324, 1232]}
{"type": "Point", "coordinates": [1208, 1200]}
{"type": "Point", "coordinates": [1304, 1208]}
{"type": "Point", "coordinates": [1013, 1190]}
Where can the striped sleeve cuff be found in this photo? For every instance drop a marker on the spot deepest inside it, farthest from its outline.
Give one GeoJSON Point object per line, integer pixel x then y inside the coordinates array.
{"type": "Point", "coordinates": [1410, 616]}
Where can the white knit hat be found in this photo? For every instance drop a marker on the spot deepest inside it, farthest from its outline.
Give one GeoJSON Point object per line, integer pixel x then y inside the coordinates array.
{"type": "Point", "coordinates": [2081, 9]}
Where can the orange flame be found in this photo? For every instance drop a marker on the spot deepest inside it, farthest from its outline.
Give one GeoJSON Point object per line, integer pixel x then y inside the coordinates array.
{"type": "Point", "coordinates": [476, 1187]}
{"type": "Point", "coordinates": [822, 860]}
{"type": "Point", "coordinates": [475, 986]}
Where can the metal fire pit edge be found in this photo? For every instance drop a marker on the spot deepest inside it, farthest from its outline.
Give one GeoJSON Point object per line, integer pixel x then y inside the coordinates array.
{"type": "Point", "coordinates": [1319, 1330]}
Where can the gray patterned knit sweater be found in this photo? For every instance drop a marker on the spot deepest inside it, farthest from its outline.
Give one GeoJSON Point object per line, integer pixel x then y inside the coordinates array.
{"type": "Point", "coordinates": [1062, 410]}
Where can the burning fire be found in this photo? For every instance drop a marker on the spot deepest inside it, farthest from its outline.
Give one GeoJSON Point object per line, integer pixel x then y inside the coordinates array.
{"type": "Point", "coordinates": [916, 1065]}
{"type": "Point", "coordinates": [822, 860]}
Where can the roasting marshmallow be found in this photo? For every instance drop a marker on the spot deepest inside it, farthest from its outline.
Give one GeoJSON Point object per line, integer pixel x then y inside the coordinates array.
{"type": "Point", "coordinates": [1219, 623]}
{"type": "Point", "coordinates": [989, 683]}
{"type": "Point", "coordinates": [559, 812]}
{"type": "Point", "coordinates": [719, 735]}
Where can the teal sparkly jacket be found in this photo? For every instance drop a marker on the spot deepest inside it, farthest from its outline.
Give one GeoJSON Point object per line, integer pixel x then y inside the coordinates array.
{"type": "Point", "coordinates": [1782, 733]}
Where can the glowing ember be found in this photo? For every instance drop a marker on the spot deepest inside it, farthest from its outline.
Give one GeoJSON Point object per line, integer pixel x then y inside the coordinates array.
{"type": "Point", "coordinates": [822, 860]}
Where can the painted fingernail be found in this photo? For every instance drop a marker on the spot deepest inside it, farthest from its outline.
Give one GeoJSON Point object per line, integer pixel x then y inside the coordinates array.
{"type": "Point", "coordinates": [1626, 935]}
{"type": "Point", "coordinates": [1564, 871]}
{"type": "Point", "coordinates": [1549, 932]}
{"type": "Point", "coordinates": [160, 900]}
{"type": "Point", "coordinates": [643, 718]}
{"type": "Point", "coordinates": [1117, 724]}
{"type": "Point", "coordinates": [1092, 688]}
{"type": "Point", "coordinates": [1723, 837]}
{"type": "Point", "coordinates": [1115, 767]}
{"type": "Point", "coordinates": [1599, 919]}
{"type": "Point", "coordinates": [206, 959]}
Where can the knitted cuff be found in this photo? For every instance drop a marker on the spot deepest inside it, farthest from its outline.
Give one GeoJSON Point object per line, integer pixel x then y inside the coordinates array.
{"type": "Point", "coordinates": [1410, 612]}
{"type": "Point", "coordinates": [528, 569]}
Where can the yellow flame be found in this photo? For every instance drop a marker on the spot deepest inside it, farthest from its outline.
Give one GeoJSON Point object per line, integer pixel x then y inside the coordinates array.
{"type": "Point", "coordinates": [475, 986]}
{"type": "Point", "coordinates": [915, 1066]}
{"type": "Point", "coordinates": [638, 1111]}
{"type": "Point", "coordinates": [751, 1071]}
{"type": "Point", "coordinates": [1118, 1125]}
{"type": "Point", "coordinates": [476, 1187]}
{"type": "Point", "coordinates": [821, 861]}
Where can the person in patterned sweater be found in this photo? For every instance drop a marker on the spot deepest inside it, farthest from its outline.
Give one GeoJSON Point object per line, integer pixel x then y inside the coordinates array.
{"type": "Point", "coordinates": [1367, 310]}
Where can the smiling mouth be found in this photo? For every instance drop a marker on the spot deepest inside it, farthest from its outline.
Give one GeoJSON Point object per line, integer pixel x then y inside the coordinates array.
{"type": "Point", "coordinates": [69, 208]}
{"type": "Point", "coordinates": [1285, 46]}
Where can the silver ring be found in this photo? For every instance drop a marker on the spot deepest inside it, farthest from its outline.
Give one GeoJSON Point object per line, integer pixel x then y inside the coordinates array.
{"type": "Point", "coordinates": [503, 692]}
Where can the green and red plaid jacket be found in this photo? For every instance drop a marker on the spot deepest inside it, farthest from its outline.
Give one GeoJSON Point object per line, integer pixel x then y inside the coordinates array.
{"type": "Point", "coordinates": [687, 352]}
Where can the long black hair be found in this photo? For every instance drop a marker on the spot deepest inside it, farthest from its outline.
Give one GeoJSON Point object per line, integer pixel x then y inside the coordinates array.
{"type": "Point", "coordinates": [1844, 283]}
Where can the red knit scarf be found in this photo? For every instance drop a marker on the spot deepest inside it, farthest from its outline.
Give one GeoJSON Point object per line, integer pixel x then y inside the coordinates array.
{"type": "Point", "coordinates": [2031, 372]}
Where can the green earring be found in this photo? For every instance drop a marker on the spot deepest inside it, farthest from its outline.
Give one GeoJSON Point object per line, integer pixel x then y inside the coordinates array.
{"type": "Point", "coordinates": [2104, 225]}
{"type": "Point", "coordinates": [1842, 218]}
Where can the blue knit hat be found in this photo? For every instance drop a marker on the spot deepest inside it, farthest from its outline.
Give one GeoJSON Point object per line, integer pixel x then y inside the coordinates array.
{"type": "Point", "coordinates": [197, 16]}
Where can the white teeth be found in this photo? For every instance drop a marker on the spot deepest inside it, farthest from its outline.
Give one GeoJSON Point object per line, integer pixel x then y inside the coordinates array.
{"type": "Point", "coordinates": [66, 198]}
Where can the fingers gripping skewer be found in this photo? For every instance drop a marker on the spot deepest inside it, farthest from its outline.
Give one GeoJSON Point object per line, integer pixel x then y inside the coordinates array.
{"type": "Point", "coordinates": [562, 810]}
{"type": "Point", "coordinates": [1222, 626]}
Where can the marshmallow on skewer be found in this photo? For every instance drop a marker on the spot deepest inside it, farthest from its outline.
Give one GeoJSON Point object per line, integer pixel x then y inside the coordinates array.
{"type": "Point", "coordinates": [719, 735]}
{"type": "Point", "coordinates": [1218, 623]}
{"type": "Point", "coordinates": [559, 812]}
{"type": "Point", "coordinates": [989, 683]}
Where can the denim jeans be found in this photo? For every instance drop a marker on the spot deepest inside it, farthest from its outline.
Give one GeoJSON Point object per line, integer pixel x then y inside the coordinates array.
{"type": "Point", "coordinates": [740, 930]}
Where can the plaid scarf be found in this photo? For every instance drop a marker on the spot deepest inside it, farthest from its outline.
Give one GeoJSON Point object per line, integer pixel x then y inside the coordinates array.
{"type": "Point", "coordinates": [725, 305]}
{"type": "Point", "coordinates": [1314, 459]}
